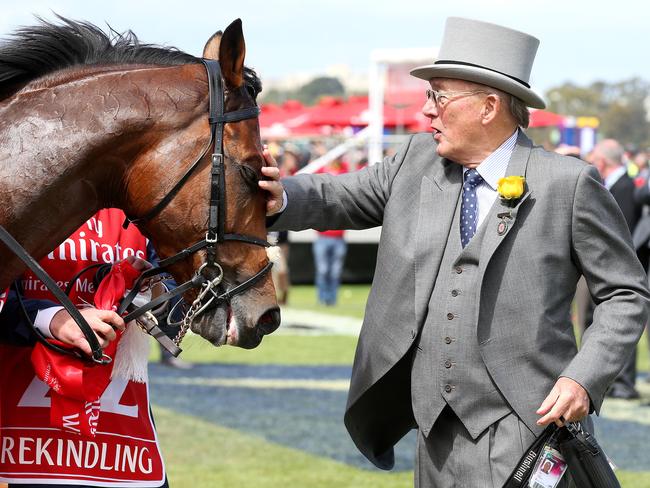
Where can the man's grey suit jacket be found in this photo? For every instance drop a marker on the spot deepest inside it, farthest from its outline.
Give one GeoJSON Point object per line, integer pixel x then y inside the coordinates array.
{"type": "Point", "coordinates": [566, 224]}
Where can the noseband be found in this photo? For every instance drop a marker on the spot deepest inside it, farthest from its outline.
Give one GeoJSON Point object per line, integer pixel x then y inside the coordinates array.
{"type": "Point", "coordinates": [210, 273]}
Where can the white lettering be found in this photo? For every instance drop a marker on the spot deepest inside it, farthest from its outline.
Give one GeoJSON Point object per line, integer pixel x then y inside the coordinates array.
{"type": "Point", "coordinates": [82, 247]}
{"type": "Point", "coordinates": [117, 456]}
{"type": "Point", "coordinates": [73, 253]}
{"type": "Point", "coordinates": [23, 449]}
{"type": "Point", "coordinates": [7, 446]}
{"type": "Point", "coordinates": [107, 255]}
{"type": "Point", "coordinates": [75, 451]}
{"type": "Point", "coordinates": [93, 250]}
{"type": "Point", "coordinates": [59, 452]}
{"type": "Point", "coordinates": [95, 449]}
{"type": "Point", "coordinates": [130, 457]}
{"type": "Point", "coordinates": [79, 454]}
{"type": "Point", "coordinates": [149, 467]}
{"type": "Point", "coordinates": [85, 286]}
{"type": "Point", "coordinates": [71, 423]}
{"type": "Point", "coordinates": [102, 462]}
{"type": "Point", "coordinates": [41, 451]}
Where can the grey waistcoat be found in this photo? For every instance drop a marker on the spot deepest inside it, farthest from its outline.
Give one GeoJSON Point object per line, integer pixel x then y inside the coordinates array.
{"type": "Point", "coordinates": [448, 368]}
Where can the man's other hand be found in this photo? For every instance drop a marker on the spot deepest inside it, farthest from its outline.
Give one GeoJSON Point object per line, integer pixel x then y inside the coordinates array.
{"type": "Point", "coordinates": [271, 184]}
{"type": "Point", "coordinates": [568, 401]}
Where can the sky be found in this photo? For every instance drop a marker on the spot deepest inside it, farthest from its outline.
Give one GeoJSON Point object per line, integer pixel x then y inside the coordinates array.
{"type": "Point", "coordinates": [581, 40]}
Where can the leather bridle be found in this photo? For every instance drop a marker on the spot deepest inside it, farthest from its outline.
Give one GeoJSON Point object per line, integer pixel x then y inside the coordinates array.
{"type": "Point", "coordinates": [209, 275]}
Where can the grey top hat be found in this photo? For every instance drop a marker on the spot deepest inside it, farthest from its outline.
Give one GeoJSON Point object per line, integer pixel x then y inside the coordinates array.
{"type": "Point", "coordinates": [488, 54]}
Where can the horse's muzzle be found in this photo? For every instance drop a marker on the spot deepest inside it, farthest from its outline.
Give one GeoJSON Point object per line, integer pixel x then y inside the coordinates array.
{"type": "Point", "coordinates": [269, 321]}
{"type": "Point", "coordinates": [233, 325]}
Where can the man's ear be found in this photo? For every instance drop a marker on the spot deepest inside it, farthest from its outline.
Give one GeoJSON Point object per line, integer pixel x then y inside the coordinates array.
{"type": "Point", "coordinates": [491, 107]}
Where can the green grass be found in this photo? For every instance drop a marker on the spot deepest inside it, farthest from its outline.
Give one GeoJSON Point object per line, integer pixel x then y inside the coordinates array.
{"type": "Point", "coordinates": [200, 454]}
{"type": "Point", "coordinates": [351, 300]}
{"type": "Point", "coordinates": [630, 479]}
{"type": "Point", "coordinates": [275, 349]}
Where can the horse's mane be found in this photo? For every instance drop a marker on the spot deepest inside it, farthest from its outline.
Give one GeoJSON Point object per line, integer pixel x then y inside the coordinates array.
{"type": "Point", "coordinates": [36, 51]}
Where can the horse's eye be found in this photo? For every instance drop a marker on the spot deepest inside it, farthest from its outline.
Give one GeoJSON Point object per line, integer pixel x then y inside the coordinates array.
{"type": "Point", "coordinates": [249, 175]}
{"type": "Point", "coordinates": [251, 91]}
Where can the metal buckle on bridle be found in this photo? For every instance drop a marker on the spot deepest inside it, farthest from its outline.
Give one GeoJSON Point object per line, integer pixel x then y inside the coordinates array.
{"type": "Point", "coordinates": [211, 240]}
{"type": "Point", "coordinates": [211, 280]}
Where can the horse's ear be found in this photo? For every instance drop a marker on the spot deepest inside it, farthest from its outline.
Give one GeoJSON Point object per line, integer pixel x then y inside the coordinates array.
{"type": "Point", "coordinates": [231, 54]}
{"type": "Point", "coordinates": [211, 49]}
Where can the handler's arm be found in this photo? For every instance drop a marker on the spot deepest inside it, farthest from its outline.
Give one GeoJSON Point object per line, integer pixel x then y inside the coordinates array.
{"type": "Point", "coordinates": [350, 201]}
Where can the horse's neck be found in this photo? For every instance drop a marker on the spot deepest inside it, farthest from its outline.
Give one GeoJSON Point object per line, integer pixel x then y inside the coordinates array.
{"type": "Point", "coordinates": [66, 148]}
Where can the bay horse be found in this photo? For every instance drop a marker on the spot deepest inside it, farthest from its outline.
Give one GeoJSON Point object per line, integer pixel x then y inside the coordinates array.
{"type": "Point", "coordinates": [90, 120]}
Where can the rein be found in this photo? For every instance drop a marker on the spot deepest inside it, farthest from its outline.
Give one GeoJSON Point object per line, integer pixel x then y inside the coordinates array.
{"type": "Point", "coordinates": [215, 234]}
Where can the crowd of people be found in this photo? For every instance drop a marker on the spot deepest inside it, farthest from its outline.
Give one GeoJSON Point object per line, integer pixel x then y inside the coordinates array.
{"type": "Point", "coordinates": [625, 174]}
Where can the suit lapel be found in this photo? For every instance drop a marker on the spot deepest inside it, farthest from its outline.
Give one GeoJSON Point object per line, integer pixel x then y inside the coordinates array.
{"type": "Point", "coordinates": [503, 217]}
{"type": "Point", "coordinates": [438, 199]}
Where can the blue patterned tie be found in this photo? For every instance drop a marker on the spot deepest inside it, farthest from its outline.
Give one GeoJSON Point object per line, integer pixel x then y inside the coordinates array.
{"type": "Point", "coordinates": [469, 206]}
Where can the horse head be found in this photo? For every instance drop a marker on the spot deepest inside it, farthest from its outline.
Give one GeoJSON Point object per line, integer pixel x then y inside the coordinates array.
{"type": "Point", "coordinates": [88, 121]}
{"type": "Point", "coordinates": [227, 315]}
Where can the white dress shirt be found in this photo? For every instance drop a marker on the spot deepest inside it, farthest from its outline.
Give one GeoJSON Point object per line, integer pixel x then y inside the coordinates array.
{"type": "Point", "coordinates": [614, 177]}
{"type": "Point", "coordinates": [492, 169]}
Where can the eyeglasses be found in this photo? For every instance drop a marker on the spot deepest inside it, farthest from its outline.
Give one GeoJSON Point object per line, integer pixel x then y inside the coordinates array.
{"type": "Point", "coordinates": [440, 98]}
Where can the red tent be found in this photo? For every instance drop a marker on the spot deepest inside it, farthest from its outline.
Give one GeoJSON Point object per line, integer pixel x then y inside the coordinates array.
{"type": "Point", "coordinates": [542, 118]}
{"type": "Point", "coordinates": [333, 114]}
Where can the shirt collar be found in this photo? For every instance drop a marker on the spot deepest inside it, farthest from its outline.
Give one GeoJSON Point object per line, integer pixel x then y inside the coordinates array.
{"type": "Point", "coordinates": [494, 167]}
{"type": "Point", "coordinates": [614, 177]}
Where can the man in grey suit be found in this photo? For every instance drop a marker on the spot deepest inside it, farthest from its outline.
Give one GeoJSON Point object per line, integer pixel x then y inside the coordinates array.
{"type": "Point", "coordinates": [467, 334]}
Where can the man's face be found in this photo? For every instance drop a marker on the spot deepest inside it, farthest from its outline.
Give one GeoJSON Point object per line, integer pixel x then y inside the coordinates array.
{"type": "Point", "coordinates": [456, 119]}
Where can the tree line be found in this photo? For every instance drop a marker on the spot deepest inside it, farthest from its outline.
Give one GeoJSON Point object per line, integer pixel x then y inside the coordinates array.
{"type": "Point", "coordinates": [622, 107]}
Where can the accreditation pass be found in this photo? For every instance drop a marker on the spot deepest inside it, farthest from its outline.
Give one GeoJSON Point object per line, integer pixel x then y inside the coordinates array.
{"type": "Point", "coordinates": [549, 469]}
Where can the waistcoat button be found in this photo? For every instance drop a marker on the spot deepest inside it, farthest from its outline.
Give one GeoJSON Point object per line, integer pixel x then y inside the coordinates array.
{"type": "Point", "coordinates": [447, 364]}
{"type": "Point", "coordinates": [459, 270]}
{"type": "Point", "coordinates": [450, 316]}
{"type": "Point", "coordinates": [454, 293]}
{"type": "Point", "coordinates": [448, 388]}
{"type": "Point", "coordinates": [447, 340]}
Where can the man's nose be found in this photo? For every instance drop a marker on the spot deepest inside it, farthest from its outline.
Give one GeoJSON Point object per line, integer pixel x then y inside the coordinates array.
{"type": "Point", "coordinates": [430, 109]}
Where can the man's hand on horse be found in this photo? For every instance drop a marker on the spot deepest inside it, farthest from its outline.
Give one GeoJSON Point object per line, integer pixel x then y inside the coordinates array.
{"type": "Point", "coordinates": [568, 401]}
{"type": "Point", "coordinates": [272, 184]}
{"type": "Point", "coordinates": [103, 322]}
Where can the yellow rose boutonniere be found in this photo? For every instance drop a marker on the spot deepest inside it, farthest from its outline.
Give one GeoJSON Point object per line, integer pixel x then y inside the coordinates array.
{"type": "Point", "coordinates": [511, 188]}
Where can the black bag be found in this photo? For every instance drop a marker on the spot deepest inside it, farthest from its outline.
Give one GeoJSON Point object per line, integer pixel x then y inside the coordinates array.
{"type": "Point", "coordinates": [586, 461]}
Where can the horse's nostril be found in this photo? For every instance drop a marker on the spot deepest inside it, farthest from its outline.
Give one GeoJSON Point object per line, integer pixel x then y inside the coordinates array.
{"type": "Point", "coordinates": [269, 321]}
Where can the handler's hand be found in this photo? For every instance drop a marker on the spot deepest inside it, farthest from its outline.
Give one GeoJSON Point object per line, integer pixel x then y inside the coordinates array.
{"type": "Point", "coordinates": [103, 323]}
{"type": "Point", "coordinates": [272, 185]}
{"type": "Point", "coordinates": [568, 400]}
